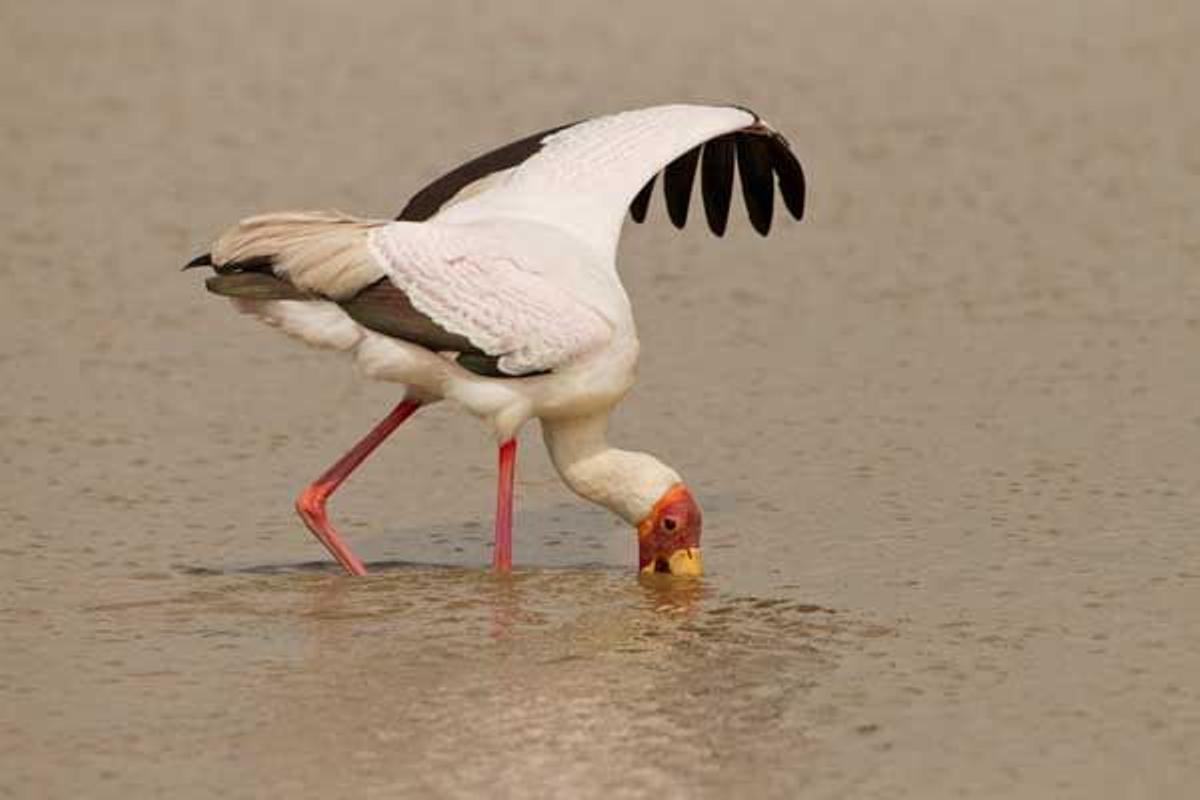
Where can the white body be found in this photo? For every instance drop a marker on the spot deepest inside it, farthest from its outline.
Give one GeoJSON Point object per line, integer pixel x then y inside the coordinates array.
{"type": "Point", "coordinates": [526, 269]}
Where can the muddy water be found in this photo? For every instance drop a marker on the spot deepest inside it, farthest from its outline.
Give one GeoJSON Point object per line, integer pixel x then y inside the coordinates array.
{"type": "Point", "coordinates": [426, 680]}
{"type": "Point", "coordinates": [945, 432]}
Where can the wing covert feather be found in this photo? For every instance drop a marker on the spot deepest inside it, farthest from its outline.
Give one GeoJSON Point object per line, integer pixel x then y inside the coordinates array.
{"type": "Point", "coordinates": [461, 280]}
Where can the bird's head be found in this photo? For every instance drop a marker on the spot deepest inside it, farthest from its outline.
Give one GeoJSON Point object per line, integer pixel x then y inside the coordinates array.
{"type": "Point", "coordinates": [669, 536]}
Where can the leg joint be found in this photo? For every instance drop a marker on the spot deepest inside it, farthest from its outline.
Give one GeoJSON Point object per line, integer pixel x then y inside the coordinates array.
{"type": "Point", "coordinates": [311, 500]}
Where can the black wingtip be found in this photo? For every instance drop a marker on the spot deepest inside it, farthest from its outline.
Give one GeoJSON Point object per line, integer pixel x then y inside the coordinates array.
{"type": "Point", "coordinates": [204, 260]}
{"type": "Point", "coordinates": [716, 181]}
{"type": "Point", "coordinates": [792, 184]}
{"type": "Point", "coordinates": [641, 203]}
{"type": "Point", "coordinates": [677, 185]}
{"type": "Point", "coordinates": [758, 182]}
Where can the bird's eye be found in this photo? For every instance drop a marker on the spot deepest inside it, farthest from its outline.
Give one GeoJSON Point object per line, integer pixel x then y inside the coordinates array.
{"type": "Point", "coordinates": [670, 524]}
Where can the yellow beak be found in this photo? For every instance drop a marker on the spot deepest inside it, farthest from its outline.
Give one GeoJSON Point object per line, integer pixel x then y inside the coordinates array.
{"type": "Point", "coordinates": [686, 562]}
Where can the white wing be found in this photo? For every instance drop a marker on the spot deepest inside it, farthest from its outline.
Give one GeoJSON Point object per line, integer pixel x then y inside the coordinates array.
{"type": "Point", "coordinates": [448, 287]}
{"type": "Point", "coordinates": [523, 301]}
{"type": "Point", "coordinates": [470, 284]}
{"type": "Point", "coordinates": [582, 177]}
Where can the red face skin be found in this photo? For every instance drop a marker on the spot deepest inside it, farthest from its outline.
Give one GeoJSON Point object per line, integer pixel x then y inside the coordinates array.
{"type": "Point", "coordinates": [673, 525]}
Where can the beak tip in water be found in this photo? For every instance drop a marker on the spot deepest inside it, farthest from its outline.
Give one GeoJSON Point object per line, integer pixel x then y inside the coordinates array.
{"type": "Point", "coordinates": [684, 563]}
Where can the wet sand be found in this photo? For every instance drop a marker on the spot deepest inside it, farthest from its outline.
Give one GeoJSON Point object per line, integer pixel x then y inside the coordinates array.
{"type": "Point", "coordinates": [945, 432]}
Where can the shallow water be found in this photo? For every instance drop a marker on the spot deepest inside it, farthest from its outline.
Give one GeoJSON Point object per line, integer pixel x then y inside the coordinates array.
{"type": "Point", "coordinates": [426, 679]}
{"type": "Point", "coordinates": [944, 432]}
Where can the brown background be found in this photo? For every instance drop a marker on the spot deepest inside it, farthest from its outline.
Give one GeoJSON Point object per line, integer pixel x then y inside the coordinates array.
{"type": "Point", "coordinates": [945, 432]}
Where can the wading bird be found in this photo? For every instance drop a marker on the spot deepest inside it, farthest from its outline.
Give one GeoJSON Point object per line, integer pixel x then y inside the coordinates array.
{"type": "Point", "coordinates": [497, 287]}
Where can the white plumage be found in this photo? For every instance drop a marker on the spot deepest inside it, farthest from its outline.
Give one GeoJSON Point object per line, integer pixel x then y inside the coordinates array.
{"type": "Point", "coordinates": [584, 177]}
{"type": "Point", "coordinates": [509, 258]}
{"type": "Point", "coordinates": [507, 294]}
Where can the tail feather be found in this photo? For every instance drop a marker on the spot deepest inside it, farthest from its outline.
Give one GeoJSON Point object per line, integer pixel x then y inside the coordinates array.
{"type": "Point", "coordinates": [204, 260]}
{"type": "Point", "coordinates": [266, 263]}
{"type": "Point", "coordinates": [323, 253]}
{"type": "Point", "coordinates": [254, 286]}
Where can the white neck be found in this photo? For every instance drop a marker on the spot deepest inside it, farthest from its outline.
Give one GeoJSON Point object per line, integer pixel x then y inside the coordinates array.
{"type": "Point", "coordinates": [625, 482]}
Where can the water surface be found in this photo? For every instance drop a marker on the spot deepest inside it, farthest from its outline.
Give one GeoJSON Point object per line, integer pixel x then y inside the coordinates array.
{"type": "Point", "coordinates": [944, 432]}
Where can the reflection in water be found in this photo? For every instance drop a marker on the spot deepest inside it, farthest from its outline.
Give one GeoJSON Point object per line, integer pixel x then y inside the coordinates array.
{"type": "Point", "coordinates": [438, 679]}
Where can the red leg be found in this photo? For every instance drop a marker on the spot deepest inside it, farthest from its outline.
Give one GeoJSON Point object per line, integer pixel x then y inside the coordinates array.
{"type": "Point", "coordinates": [502, 552]}
{"type": "Point", "coordinates": [311, 502]}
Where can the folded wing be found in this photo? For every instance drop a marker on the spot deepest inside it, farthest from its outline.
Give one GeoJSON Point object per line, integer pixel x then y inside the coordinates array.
{"type": "Point", "coordinates": [447, 288]}
{"type": "Point", "coordinates": [462, 281]}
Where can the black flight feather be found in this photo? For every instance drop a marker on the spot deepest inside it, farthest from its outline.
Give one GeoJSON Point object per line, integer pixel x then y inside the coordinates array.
{"type": "Point", "coordinates": [429, 200]}
{"type": "Point", "coordinates": [790, 173]}
{"type": "Point", "coordinates": [641, 203]}
{"type": "Point", "coordinates": [716, 182]}
{"type": "Point", "coordinates": [204, 260]}
{"type": "Point", "coordinates": [255, 286]}
{"type": "Point", "coordinates": [758, 183]}
{"type": "Point", "coordinates": [678, 178]}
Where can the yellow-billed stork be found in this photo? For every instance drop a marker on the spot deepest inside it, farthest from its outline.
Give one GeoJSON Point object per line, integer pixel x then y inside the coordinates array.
{"type": "Point", "coordinates": [497, 288]}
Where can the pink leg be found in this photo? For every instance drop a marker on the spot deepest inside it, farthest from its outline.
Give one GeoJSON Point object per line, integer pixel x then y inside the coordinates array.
{"type": "Point", "coordinates": [311, 502]}
{"type": "Point", "coordinates": [502, 552]}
